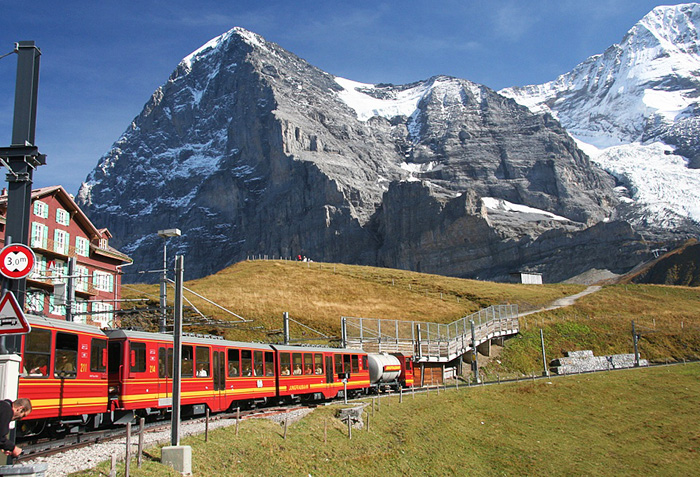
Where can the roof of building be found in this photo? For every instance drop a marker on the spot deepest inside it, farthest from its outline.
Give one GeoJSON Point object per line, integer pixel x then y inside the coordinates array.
{"type": "Point", "coordinates": [78, 215]}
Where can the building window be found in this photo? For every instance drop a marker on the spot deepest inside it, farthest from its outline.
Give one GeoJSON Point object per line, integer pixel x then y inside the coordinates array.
{"type": "Point", "coordinates": [41, 209]}
{"type": "Point", "coordinates": [39, 270]}
{"type": "Point", "coordinates": [35, 301]}
{"type": "Point", "coordinates": [82, 246]}
{"type": "Point", "coordinates": [103, 281]}
{"type": "Point", "coordinates": [80, 308]}
{"type": "Point", "coordinates": [40, 235]}
{"type": "Point", "coordinates": [59, 271]}
{"type": "Point", "coordinates": [102, 313]}
{"type": "Point", "coordinates": [81, 279]}
{"type": "Point", "coordinates": [61, 241]}
{"type": "Point", "coordinates": [56, 306]}
{"type": "Point", "coordinates": [62, 217]}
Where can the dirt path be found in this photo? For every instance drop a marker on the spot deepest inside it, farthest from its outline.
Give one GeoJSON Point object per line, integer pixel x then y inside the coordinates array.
{"type": "Point", "coordinates": [565, 301]}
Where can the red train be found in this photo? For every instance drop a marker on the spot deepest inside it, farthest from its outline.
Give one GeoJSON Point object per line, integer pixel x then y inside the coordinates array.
{"type": "Point", "coordinates": [80, 377]}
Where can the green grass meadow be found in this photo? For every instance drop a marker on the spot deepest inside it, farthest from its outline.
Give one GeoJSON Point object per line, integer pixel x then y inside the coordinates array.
{"type": "Point", "coordinates": [629, 422]}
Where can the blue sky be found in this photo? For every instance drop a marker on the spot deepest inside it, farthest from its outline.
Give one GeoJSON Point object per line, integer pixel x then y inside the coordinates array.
{"type": "Point", "coordinates": [102, 60]}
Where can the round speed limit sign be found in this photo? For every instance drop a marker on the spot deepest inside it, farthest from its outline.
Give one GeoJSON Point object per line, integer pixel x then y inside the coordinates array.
{"type": "Point", "coordinates": [16, 261]}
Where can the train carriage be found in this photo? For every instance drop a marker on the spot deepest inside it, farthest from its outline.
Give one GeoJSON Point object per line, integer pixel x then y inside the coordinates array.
{"type": "Point", "coordinates": [64, 373]}
{"type": "Point", "coordinates": [319, 373]}
{"type": "Point", "coordinates": [406, 378]}
{"type": "Point", "coordinates": [215, 373]}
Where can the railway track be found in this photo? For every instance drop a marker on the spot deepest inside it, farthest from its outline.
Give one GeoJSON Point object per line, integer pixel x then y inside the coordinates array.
{"type": "Point", "coordinates": [35, 448]}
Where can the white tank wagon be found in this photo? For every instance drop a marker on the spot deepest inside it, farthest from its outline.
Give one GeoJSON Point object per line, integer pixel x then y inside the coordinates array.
{"type": "Point", "coordinates": [384, 369]}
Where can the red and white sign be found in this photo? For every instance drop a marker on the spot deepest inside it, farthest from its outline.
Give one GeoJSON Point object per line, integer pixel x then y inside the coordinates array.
{"type": "Point", "coordinates": [12, 319]}
{"type": "Point", "coordinates": [16, 261]}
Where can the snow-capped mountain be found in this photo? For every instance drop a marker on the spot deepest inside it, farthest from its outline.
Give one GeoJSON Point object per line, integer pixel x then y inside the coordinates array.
{"type": "Point", "coordinates": [250, 150]}
{"type": "Point", "coordinates": [635, 110]}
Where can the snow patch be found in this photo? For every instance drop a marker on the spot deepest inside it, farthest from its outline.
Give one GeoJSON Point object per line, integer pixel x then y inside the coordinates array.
{"type": "Point", "coordinates": [493, 203]}
{"type": "Point", "coordinates": [403, 103]}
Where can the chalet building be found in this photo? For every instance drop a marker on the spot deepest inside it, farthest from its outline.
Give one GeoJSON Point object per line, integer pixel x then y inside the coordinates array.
{"type": "Point", "coordinates": [59, 230]}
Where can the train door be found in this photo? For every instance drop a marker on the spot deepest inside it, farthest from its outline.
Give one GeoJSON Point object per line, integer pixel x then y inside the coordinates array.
{"type": "Point", "coordinates": [219, 375]}
{"type": "Point", "coordinates": [165, 374]}
{"type": "Point", "coordinates": [115, 368]}
{"type": "Point", "coordinates": [329, 369]}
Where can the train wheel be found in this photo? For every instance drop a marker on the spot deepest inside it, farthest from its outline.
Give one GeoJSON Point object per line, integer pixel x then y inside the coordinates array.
{"type": "Point", "coordinates": [30, 428]}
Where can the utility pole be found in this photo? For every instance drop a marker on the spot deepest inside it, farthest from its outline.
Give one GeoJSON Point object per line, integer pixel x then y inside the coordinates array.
{"type": "Point", "coordinates": [475, 362]}
{"type": "Point", "coordinates": [544, 355]}
{"type": "Point", "coordinates": [635, 340]}
{"type": "Point", "coordinates": [165, 234]}
{"type": "Point", "coordinates": [177, 350]}
{"type": "Point", "coordinates": [177, 456]}
{"type": "Point", "coordinates": [285, 327]}
{"type": "Point", "coordinates": [21, 158]}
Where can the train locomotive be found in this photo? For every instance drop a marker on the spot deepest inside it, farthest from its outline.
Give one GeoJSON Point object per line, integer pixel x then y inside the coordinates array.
{"type": "Point", "coordinates": [79, 377]}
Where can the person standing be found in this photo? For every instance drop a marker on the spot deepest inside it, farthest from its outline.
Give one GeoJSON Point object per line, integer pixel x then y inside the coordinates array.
{"type": "Point", "coordinates": [12, 411]}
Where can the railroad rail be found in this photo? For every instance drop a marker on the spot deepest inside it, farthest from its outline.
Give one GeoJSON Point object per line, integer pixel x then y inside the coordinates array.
{"type": "Point", "coordinates": [34, 448]}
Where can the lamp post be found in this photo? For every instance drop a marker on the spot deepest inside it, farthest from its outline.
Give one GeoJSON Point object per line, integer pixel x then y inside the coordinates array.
{"type": "Point", "coordinates": [165, 234]}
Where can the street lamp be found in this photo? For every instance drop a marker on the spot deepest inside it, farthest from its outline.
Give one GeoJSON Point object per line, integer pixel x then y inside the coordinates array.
{"type": "Point", "coordinates": [166, 233]}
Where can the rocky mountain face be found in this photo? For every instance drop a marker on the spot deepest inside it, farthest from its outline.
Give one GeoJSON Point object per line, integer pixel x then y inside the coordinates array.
{"type": "Point", "coordinates": [250, 150]}
{"type": "Point", "coordinates": [635, 109]}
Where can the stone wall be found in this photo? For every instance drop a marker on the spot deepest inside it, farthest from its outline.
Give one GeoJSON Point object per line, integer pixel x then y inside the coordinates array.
{"type": "Point", "coordinates": [584, 361]}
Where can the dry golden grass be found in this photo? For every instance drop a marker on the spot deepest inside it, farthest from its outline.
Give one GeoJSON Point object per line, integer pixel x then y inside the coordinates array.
{"type": "Point", "coordinates": [318, 294]}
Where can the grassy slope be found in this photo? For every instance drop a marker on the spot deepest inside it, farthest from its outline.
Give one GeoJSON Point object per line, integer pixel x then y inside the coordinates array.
{"type": "Point", "coordinates": [318, 294]}
{"type": "Point", "coordinates": [631, 422]}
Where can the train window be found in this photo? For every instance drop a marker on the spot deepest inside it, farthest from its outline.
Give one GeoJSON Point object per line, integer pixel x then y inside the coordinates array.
{"type": "Point", "coordinates": [364, 362]}
{"type": "Point", "coordinates": [98, 355]}
{"type": "Point", "coordinates": [355, 364]}
{"type": "Point", "coordinates": [137, 357]}
{"type": "Point", "coordinates": [269, 363]}
{"type": "Point", "coordinates": [318, 366]}
{"type": "Point", "coordinates": [66, 359]}
{"type": "Point", "coordinates": [169, 363]}
{"type": "Point", "coordinates": [246, 362]}
{"type": "Point", "coordinates": [338, 364]}
{"type": "Point", "coordinates": [233, 364]}
{"type": "Point", "coordinates": [203, 362]}
{"type": "Point", "coordinates": [308, 363]}
{"type": "Point", "coordinates": [37, 353]}
{"type": "Point", "coordinates": [258, 369]}
{"type": "Point", "coordinates": [187, 367]}
{"type": "Point", "coordinates": [408, 364]}
{"type": "Point", "coordinates": [296, 364]}
{"type": "Point", "coordinates": [162, 357]}
{"type": "Point", "coordinates": [285, 364]}
{"type": "Point", "coordinates": [346, 362]}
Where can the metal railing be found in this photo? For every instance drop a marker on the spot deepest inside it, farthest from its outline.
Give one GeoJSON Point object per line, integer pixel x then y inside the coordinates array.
{"type": "Point", "coordinates": [430, 341]}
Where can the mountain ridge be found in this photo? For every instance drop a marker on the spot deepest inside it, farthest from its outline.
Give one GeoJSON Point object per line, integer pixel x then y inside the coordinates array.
{"type": "Point", "coordinates": [249, 149]}
{"type": "Point", "coordinates": [634, 110]}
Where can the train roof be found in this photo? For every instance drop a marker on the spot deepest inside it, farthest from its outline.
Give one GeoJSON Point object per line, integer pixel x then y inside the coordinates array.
{"type": "Point", "coordinates": [312, 349]}
{"type": "Point", "coordinates": [36, 320]}
{"type": "Point", "coordinates": [145, 335]}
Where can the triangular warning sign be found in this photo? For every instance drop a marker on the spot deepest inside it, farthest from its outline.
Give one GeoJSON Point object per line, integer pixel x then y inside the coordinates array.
{"type": "Point", "coordinates": [12, 319]}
